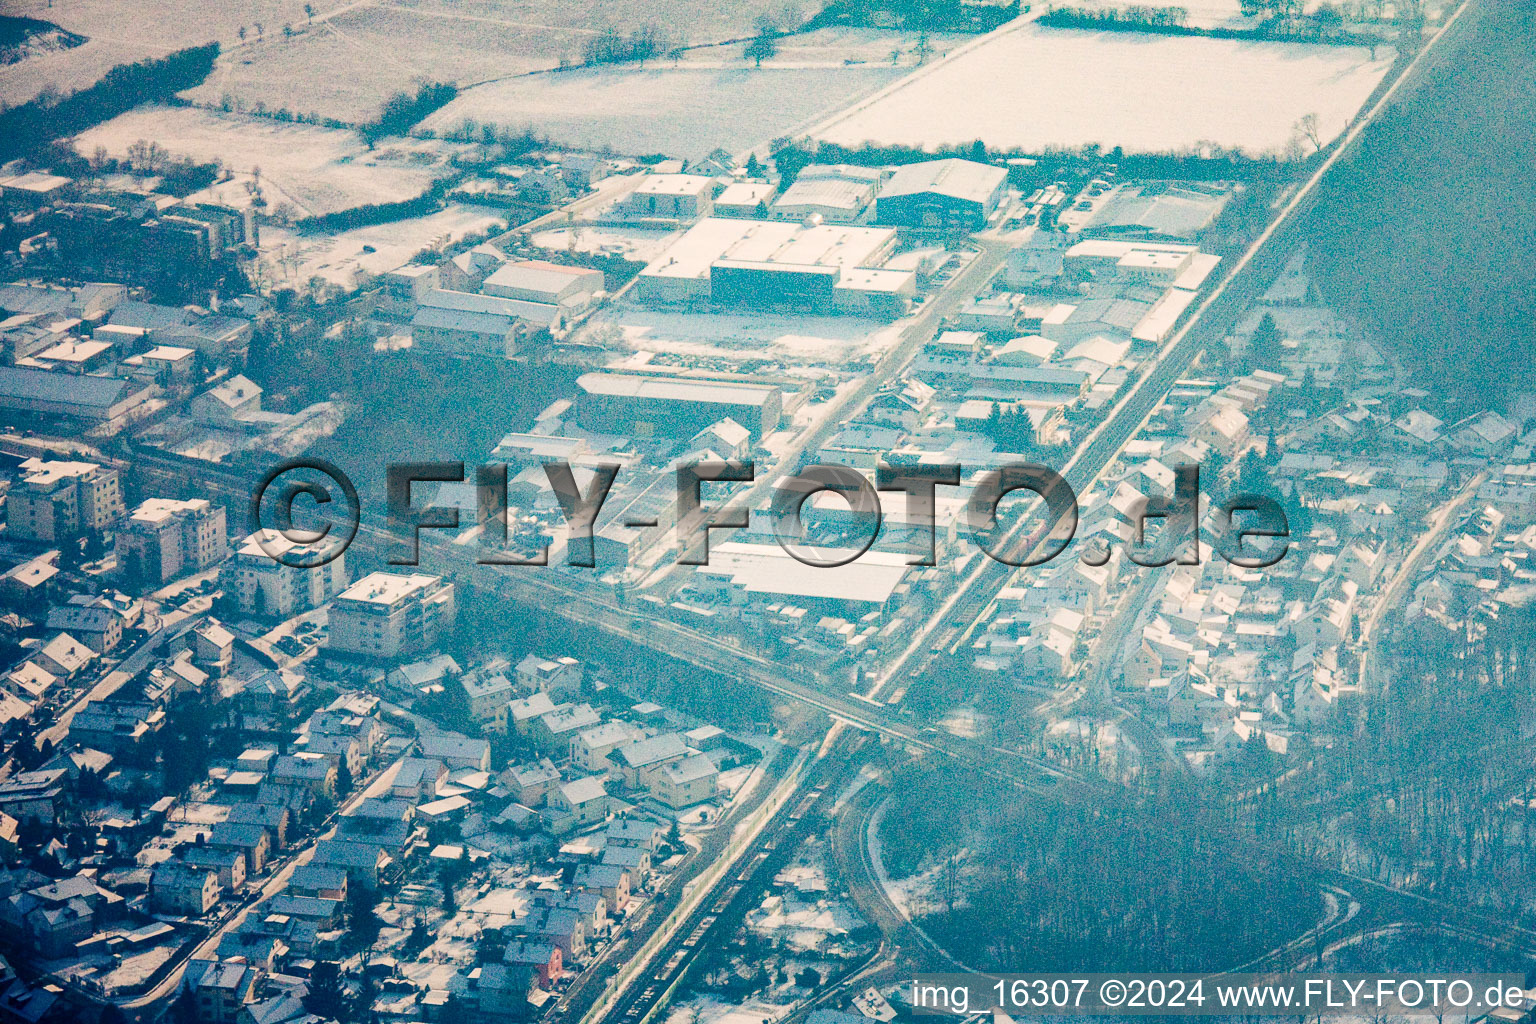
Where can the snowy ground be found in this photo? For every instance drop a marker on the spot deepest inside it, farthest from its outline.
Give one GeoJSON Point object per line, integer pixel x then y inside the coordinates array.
{"type": "Point", "coordinates": [1202, 13]}
{"type": "Point", "coordinates": [293, 259]}
{"type": "Point", "coordinates": [683, 111]}
{"type": "Point", "coordinates": [1060, 87]}
{"type": "Point", "coordinates": [354, 53]}
{"type": "Point", "coordinates": [124, 31]}
{"type": "Point", "coordinates": [639, 244]}
{"type": "Point", "coordinates": [733, 337]}
{"type": "Point", "coordinates": [315, 170]}
{"type": "Point", "coordinates": [374, 48]}
{"type": "Point", "coordinates": [713, 1011]}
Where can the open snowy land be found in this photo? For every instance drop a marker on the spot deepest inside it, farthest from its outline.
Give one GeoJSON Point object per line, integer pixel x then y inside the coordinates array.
{"type": "Point", "coordinates": [1034, 88]}
{"type": "Point", "coordinates": [316, 170]}
{"type": "Point", "coordinates": [680, 111]}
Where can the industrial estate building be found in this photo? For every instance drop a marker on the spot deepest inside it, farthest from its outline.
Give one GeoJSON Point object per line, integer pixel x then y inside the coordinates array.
{"type": "Point", "coordinates": [821, 268]}
{"type": "Point", "coordinates": [941, 194]}
{"type": "Point", "coordinates": [647, 406]}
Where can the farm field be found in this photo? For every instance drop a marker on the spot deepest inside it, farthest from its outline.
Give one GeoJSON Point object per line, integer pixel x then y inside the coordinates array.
{"type": "Point", "coordinates": [1146, 93]}
{"type": "Point", "coordinates": [680, 111]}
{"type": "Point", "coordinates": [348, 66]}
{"type": "Point", "coordinates": [315, 170]}
{"type": "Point", "coordinates": [124, 31]}
{"type": "Point", "coordinates": [351, 55]}
{"type": "Point", "coordinates": [349, 63]}
{"type": "Point", "coordinates": [834, 47]}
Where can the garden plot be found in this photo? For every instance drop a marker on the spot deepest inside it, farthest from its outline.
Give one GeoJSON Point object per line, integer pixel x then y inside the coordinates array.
{"type": "Point", "coordinates": [316, 170]}
{"type": "Point", "coordinates": [679, 111]}
{"type": "Point", "coordinates": [1033, 88]}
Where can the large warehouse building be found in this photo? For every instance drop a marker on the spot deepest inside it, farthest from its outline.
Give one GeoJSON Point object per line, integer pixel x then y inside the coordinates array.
{"type": "Point", "coordinates": [760, 264]}
{"type": "Point", "coordinates": [941, 194]}
{"type": "Point", "coordinates": [643, 405]}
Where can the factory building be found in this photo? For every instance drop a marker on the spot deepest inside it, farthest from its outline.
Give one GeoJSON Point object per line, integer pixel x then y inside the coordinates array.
{"type": "Point", "coordinates": [816, 268]}
{"type": "Point", "coordinates": [941, 194]}
{"type": "Point", "coordinates": [656, 406]}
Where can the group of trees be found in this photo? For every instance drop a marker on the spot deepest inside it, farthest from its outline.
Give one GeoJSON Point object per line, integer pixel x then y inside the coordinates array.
{"type": "Point", "coordinates": [1062, 885]}
{"type": "Point", "coordinates": [1011, 429]}
{"type": "Point", "coordinates": [404, 110]}
{"type": "Point", "coordinates": [1434, 791]}
{"type": "Point", "coordinates": [29, 127]}
{"type": "Point", "coordinates": [928, 15]}
{"type": "Point", "coordinates": [637, 46]}
{"type": "Point", "coordinates": [21, 37]}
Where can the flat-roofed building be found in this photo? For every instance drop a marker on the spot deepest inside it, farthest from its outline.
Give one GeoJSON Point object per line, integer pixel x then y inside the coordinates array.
{"type": "Point", "coordinates": [670, 197]}
{"type": "Point", "coordinates": [385, 614]}
{"type": "Point", "coordinates": [165, 538]}
{"type": "Point", "coordinates": [59, 500]}
{"type": "Point", "coordinates": [265, 586]}
{"type": "Point", "coordinates": [171, 364]}
{"type": "Point", "coordinates": [767, 573]}
{"type": "Point", "coordinates": [77, 355]}
{"type": "Point", "coordinates": [772, 264]}
{"type": "Point", "coordinates": [744, 199]}
{"type": "Point", "coordinates": [650, 406]}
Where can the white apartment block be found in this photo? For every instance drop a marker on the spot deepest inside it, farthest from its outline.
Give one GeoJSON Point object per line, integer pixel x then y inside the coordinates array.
{"type": "Point", "coordinates": [164, 538]}
{"type": "Point", "coordinates": [56, 501]}
{"type": "Point", "coordinates": [385, 614]}
{"type": "Point", "coordinates": [264, 586]}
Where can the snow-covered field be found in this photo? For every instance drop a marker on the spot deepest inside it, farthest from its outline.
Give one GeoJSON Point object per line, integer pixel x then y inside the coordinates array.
{"type": "Point", "coordinates": [349, 63]}
{"type": "Point", "coordinates": [124, 31]}
{"type": "Point", "coordinates": [1033, 88]}
{"type": "Point", "coordinates": [316, 170]}
{"type": "Point", "coordinates": [353, 54]}
{"type": "Point", "coordinates": [685, 112]}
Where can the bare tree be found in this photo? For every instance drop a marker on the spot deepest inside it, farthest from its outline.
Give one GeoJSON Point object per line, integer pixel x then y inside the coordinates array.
{"type": "Point", "coordinates": [1308, 126]}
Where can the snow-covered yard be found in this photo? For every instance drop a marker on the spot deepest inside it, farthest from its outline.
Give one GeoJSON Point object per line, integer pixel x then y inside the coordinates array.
{"type": "Point", "coordinates": [731, 337]}
{"type": "Point", "coordinates": [1033, 88]}
{"type": "Point", "coordinates": [292, 259]}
